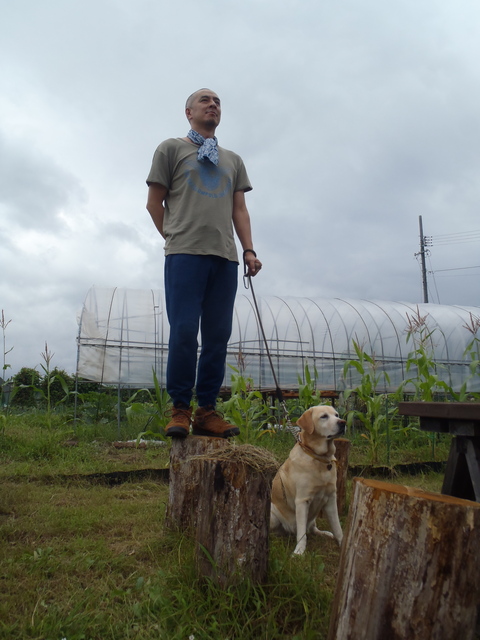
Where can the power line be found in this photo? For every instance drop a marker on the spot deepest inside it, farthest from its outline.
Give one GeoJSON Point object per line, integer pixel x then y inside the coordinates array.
{"type": "Point", "coordinates": [446, 239]}
{"type": "Point", "coordinates": [438, 244]}
{"type": "Point", "coordinates": [453, 238]}
{"type": "Point", "coordinates": [463, 275]}
{"type": "Point", "coordinates": [458, 268]}
{"type": "Point", "coordinates": [434, 279]}
{"type": "Point", "coordinates": [457, 233]}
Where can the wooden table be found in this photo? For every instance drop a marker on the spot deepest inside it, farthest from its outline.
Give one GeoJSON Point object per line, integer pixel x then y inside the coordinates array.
{"type": "Point", "coordinates": [462, 420]}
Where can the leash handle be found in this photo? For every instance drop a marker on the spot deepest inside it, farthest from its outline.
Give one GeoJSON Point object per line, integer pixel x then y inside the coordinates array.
{"type": "Point", "coordinates": [247, 283]}
{"type": "Point", "coordinates": [260, 324]}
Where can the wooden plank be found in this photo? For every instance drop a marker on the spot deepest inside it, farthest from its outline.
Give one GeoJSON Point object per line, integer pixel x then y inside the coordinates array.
{"type": "Point", "coordinates": [446, 410]}
{"type": "Point", "coordinates": [464, 428]}
{"type": "Point", "coordinates": [454, 426]}
{"type": "Point", "coordinates": [437, 425]}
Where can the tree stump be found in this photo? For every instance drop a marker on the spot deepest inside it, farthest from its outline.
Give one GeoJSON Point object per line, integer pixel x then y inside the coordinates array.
{"type": "Point", "coordinates": [408, 566]}
{"type": "Point", "coordinates": [186, 477]}
{"type": "Point", "coordinates": [342, 450]}
{"type": "Point", "coordinates": [225, 500]}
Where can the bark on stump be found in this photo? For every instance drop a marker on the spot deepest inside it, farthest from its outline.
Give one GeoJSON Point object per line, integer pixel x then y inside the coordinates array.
{"type": "Point", "coordinates": [342, 450]}
{"type": "Point", "coordinates": [226, 504]}
{"type": "Point", "coordinates": [185, 478]}
{"type": "Point", "coordinates": [408, 566]}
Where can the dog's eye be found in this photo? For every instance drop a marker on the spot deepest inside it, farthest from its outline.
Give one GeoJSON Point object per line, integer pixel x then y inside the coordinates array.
{"type": "Point", "coordinates": [325, 416]}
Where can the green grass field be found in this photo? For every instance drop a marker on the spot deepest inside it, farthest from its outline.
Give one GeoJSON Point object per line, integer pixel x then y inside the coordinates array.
{"type": "Point", "coordinates": [83, 560]}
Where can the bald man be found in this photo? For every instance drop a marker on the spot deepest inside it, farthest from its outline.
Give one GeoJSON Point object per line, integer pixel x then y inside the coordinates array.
{"type": "Point", "coordinates": [196, 198]}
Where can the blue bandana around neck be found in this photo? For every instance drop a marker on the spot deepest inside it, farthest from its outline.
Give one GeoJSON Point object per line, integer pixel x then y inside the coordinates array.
{"type": "Point", "coordinates": [208, 147]}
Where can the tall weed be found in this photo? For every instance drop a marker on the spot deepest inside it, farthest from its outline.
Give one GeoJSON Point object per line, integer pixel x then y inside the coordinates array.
{"type": "Point", "coordinates": [373, 410]}
{"type": "Point", "coordinates": [421, 360]}
{"type": "Point", "coordinates": [308, 394]}
{"type": "Point", "coordinates": [246, 409]}
{"type": "Point", "coordinates": [154, 411]}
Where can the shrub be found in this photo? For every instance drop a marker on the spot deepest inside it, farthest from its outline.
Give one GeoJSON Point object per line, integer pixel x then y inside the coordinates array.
{"type": "Point", "coordinates": [25, 382]}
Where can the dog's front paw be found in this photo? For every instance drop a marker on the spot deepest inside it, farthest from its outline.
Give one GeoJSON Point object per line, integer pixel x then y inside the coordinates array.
{"type": "Point", "coordinates": [300, 549]}
{"type": "Point", "coordinates": [327, 534]}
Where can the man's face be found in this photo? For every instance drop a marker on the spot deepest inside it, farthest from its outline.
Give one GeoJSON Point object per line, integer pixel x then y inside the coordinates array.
{"type": "Point", "coordinates": [204, 109]}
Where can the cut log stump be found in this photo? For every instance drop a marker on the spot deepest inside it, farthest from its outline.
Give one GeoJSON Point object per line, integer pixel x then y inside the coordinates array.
{"type": "Point", "coordinates": [185, 478]}
{"type": "Point", "coordinates": [408, 566]}
{"type": "Point", "coordinates": [223, 497]}
{"type": "Point", "coordinates": [342, 450]}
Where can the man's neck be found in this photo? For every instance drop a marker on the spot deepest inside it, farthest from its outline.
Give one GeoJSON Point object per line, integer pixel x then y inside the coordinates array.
{"type": "Point", "coordinates": [206, 132]}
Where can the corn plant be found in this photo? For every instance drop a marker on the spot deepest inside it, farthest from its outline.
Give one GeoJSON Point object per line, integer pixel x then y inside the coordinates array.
{"type": "Point", "coordinates": [97, 407]}
{"type": "Point", "coordinates": [47, 380]}
{"type": "Point", "coordinates": [4, 382]}
{"type": "Point", "coordinates": [472, 355]}
{"type": "Point", "coordinates": [373, 410]}
{"type": "Point", "coordinates": [3, 325]}
{"type": "Point", "coordinates": [154, 411]}
{"type": "Point", "coordinates": [308, 394]}
{"type": "Point", "coordinates": [246, 409]}
{"type": "Point", "coordinates": [426, 382]}
{"type": "Point", "coordinates": [49, 377]}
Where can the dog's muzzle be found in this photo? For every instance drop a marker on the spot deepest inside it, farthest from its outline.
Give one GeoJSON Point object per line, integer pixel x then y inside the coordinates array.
{"type": "Point", "coordinates": [341, 428]}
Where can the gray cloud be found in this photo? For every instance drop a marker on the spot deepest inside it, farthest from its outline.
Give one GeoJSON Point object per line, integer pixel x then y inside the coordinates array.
{"type": "Point", "coordinates": [352, 119]}
{"type": "Point", "coordinates": [33, 188]}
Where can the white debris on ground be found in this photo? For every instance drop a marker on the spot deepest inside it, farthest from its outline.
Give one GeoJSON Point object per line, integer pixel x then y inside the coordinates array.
{"type": "Point", "coordinates": [139, 444]}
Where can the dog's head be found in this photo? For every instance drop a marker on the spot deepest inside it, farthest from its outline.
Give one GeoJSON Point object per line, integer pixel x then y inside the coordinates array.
{"type": "Point", "coordinates": [322, 420]}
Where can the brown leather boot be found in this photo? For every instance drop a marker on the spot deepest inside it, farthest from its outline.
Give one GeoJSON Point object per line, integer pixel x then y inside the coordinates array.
{"type": "Point", "coordinates": [179, 425]}
{"type": "Point", "coordinates": [208, 422]}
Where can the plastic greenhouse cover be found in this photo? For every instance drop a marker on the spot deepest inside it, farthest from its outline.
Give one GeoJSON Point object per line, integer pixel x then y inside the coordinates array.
{"type": "Point", "coordinates": [123, 336]}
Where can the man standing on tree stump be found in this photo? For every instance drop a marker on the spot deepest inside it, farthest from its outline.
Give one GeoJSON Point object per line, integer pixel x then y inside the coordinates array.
{"type": "Point", "coordinates": [196, 197]}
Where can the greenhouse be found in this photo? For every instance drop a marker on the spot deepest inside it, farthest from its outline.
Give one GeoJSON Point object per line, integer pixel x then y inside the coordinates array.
{"type": "Point", "coordinates": [123, 337]}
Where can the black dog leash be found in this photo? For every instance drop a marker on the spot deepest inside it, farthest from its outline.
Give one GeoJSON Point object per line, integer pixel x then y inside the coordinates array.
{"type": "Point", "coordinates": [247, 283]}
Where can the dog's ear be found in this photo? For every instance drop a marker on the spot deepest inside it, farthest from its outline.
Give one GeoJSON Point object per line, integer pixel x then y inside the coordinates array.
{"type": "Point", "coordinates": [306, 422]}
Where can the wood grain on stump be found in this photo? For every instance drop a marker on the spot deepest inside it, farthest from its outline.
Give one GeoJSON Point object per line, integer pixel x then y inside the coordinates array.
{"type": "Point", "coordinates": [225, 502]}
{"type": "Point", "coordinates": [409, 566]}
{"type": "Point", "coordinates": [342, 450]}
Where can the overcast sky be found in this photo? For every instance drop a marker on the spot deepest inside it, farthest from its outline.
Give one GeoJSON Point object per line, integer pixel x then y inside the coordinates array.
{"type": "Point", "coordinates": [353, 119]}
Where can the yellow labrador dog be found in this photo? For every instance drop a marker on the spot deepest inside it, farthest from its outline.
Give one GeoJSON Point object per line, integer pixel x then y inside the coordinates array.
{"type": "Point", "coordinates": [306, 483]}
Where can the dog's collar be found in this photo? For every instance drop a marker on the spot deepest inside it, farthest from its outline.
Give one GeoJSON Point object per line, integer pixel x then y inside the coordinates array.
{"type": "Point", "coordinates": [310, 452]}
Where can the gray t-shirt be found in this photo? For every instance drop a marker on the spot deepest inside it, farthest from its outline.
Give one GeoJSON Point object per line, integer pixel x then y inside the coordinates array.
{"type": "Point", "coordinates": [199, 202]}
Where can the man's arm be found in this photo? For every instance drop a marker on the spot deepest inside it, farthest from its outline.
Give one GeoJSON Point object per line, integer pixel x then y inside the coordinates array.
{"type": "Point", "coordinates": [241, 222]}
{"type": "Point", "coordinates": [156, 196]}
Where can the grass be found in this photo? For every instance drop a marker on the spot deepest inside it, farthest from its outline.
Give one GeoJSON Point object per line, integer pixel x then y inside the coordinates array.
{"type": "Point", "coordinates": [28, 448]}
{"type": "Point", "coordinates": [85, 561]}
{"type": "Point", "coordinates": [95, 562]}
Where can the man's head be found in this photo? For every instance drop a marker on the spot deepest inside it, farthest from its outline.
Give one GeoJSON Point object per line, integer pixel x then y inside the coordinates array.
{"type": "Point", "coordinates": [203, 111]}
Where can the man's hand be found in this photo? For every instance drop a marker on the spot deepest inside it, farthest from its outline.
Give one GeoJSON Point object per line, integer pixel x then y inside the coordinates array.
{"type": "Point", "coordinates": [155, 207]}
{"type": "Point", "coordinates": [252, 263]}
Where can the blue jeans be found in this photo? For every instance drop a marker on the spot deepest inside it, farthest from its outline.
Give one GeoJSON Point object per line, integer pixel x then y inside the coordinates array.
{"type": "Point", "coordinates": [199, 291]}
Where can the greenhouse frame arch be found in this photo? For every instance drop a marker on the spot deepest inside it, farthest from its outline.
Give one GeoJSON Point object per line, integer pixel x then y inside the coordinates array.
{"type": "Point", "coordinates": [123, 337]}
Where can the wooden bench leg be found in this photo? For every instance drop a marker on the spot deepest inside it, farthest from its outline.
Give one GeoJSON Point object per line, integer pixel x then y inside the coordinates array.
{"type": "Point", "coordinates": [473, 461]}
{"type": "Point", "coordinates": [463, 469]}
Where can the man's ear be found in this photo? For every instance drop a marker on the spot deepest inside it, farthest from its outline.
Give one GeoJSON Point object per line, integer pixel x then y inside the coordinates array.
{"type": "Point", "coordinates": [305, 422]}
{"type": "Point", "coordinates": [188, 113]}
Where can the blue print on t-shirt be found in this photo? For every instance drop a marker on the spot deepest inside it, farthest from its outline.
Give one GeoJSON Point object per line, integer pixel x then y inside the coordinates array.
{"type": "Point", "coordinates": [207, 179]}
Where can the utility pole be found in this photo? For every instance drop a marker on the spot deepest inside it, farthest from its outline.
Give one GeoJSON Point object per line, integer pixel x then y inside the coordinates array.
{"type": "Point", "coordinates": [422, 256]}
